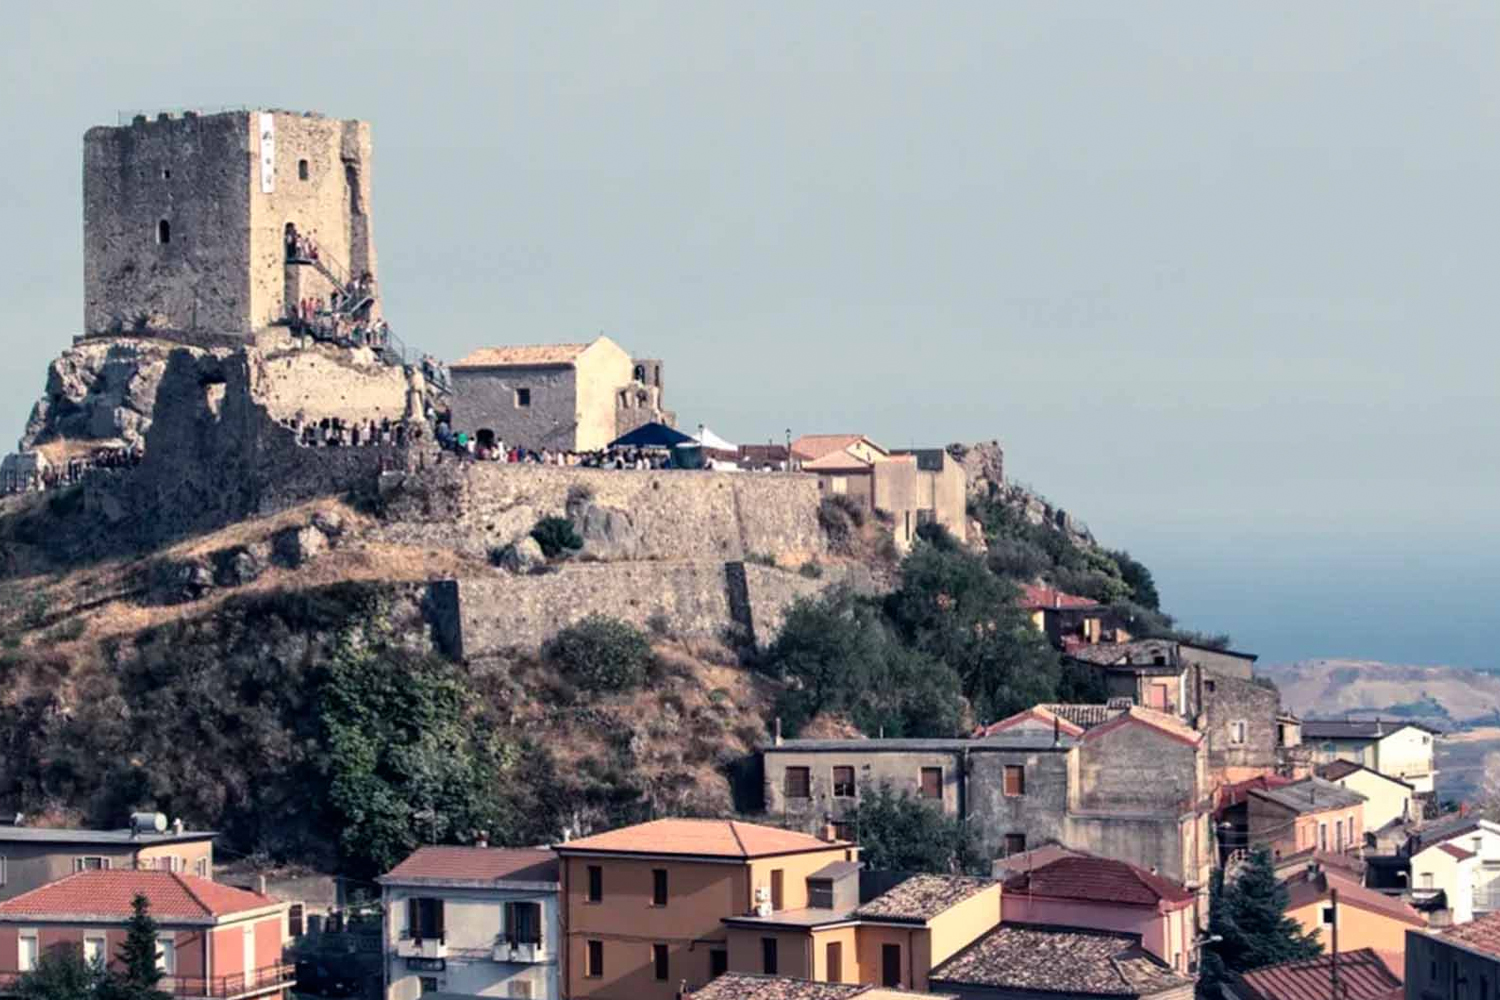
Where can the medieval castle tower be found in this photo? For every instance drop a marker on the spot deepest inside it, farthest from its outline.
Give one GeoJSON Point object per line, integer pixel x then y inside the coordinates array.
{"type": "Point", "coordinates": [185, 219]}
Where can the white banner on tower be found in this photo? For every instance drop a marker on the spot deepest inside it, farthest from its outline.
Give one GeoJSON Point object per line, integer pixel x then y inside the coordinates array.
{"type": "Point", "coordinates": [267, 153]}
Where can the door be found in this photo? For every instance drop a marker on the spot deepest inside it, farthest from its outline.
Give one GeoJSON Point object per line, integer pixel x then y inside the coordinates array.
{"type": "Point", "coordinates": [890, 965]}
{"type": "Point", "coordinates": [835, 963]}
{"type": "Point", "coordinates": [777, 878]}
{"type": "Point", "coordinates": [248, 937]}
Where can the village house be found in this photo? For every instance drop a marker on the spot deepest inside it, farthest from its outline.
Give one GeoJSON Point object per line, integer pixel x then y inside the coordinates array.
{"type": "Point", "coordinates": [1460, 961]}
{"type": "Point", "coordinates": [213, 940]}
{"type": "Point", "coordinates": [1366, 918]}
{"type": "Point", "coordinates": [913, 487]}
{"type": "Point", "coordinates": [1082, 890]}
{"type": "Point", "coordinates": [1023, 962]}
{"type": "Point", "coordinates": [565, 397]}
{"type": "Point", "coordinates": [643, 906]}
{"type": "Point", "coordinates": [1133, 787]}
{"type": "Point", "coordinates": [1402, 750]}
{"type": "Point", "coordinates": [1067, 619]}
{"type": "Point", "coordinates": [1460, 863]}
{"type": "Point", "coordinates": [891, 940]}
{"type": "Point", "coordinates": [1387, 800]}
{"type": "Point", "coordinates": [32, 856]}
{"type": "Point", "coordinates": [1354, 975]}
{"type": "Point", "coordinates": [1311, 813]}
{"type": "Point", "coordinates": [472, 921]}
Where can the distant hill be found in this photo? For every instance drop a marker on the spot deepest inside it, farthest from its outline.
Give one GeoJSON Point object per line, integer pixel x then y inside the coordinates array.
{"type": "Point", "coordinates": [1442, 695]}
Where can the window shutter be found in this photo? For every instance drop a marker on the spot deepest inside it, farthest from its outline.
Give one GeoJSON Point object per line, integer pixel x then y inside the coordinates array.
{"type": "Point", "coordinates": [511, 937]}
{"type": "Point", "coordinates": [536, 924]}
{"type": "Point", "coordinates": [437, 906]}
{"type": "Point", "coordinates": [413, 918]}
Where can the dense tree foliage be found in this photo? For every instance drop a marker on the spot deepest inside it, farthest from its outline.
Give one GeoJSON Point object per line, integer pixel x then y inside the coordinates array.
{"type": "Point", "coordinates": [898, 832]}
{"type": "Point", "coordinates": [602, 654]}
{"type": "Point", "coordinates": [556, 535]}
{"type": "Point", "coordinates": [60, 974]}
{"type": "Point", "coordinates": [139, 976]}
{"type": "Point", "coordinates": [1249, 914]}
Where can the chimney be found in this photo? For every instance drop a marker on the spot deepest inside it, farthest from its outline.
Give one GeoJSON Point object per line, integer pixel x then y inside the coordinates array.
{"type": "Point", "coordinates": [1056, 599]}
{"type": "Point", "coordinates": [482, 838]}
{"type": "Point", "coordinates": [829, 833]}
{"type": "Point", "coordinates": [260, 884]}
{"type": "Point", "coordinates": [177, 826]}
{"type": "Point", "coordinates": [776, 732]}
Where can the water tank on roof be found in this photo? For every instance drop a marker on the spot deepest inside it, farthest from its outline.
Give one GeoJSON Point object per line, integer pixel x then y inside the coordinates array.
{"type": "Point", "coordinates": [148, 822]}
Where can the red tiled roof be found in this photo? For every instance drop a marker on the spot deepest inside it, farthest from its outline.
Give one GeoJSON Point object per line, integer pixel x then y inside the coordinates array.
{"type": "Point", "coordinates": [109, 893]}
{"type": "Point", "coordinates": [812, 446]}
{"type": "Point", "coordinates": [1456, 851]}
{"type": "Point", "coordinates": [522, 355]}
{"type": "Point", "coordinates": [1480, 934]}
{"type": "Point", "coordinates": [1362, 973]}
{"type": "Point", "coordinates": [1035, 597]}
{"type": "Point", "coordinates": [1169, 725]}
{"type": "Point", "coordinates": [477, 864]}
{"type": "Point", "coordinates": [1235, 793]}
{"type": "Point", "coordinates": [1088, 878]}
{"type": "Point", "coordinates": [721, 838]}
{"type": "Point", "coordinates": [1036, 713]}
{"type": "Point", "coordinates": [1314, 888]}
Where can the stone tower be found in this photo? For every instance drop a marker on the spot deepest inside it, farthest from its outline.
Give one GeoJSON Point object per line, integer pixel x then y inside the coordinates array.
{"type": "Point", "coordinates": [185, 218]}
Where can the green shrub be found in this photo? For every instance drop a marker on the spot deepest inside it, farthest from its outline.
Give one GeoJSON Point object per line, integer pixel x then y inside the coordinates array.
{"type": "Point", "coordinates": [601, 654]}
{"type": "Point", "coordinates": [659, 625]}
{"type": "Point", "coordinates": [556, 535]}
{"type": "Point", "coordinates": [761, 559]}
{"type": "Point", "coordinates": [811, 570]}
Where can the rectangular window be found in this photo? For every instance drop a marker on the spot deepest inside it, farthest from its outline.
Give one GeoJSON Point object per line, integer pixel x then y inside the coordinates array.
{"type": "Point", "coordinates": [1322, 836]}
{"type": "Point", "coordinates": [294, 920]}
{"type": "Point", "coordinates": [593, 965]}
{"type": "Point", "coordinates": [28, 953]}
{"type": "Point", "coordinates": [596, 884]}
{"type": "Point", "coordinates": [1237, 733]}
{"type": "Point", "coordinates": [659, 960]}
{"type": "Point", "coordinates": [843, 782]}
{"type": "Point", "coordinates": [523, 398]}
{"type": "Point", "coordinates": [94, 950]}
{"type": "Point", "coordinates": [424, 918]}
{"type": "Point", "coordinates": [166, 955]}
{"type": "Point", "coordinates": [798, 783]}
{"type": "Point", "coordinates": [835, 962]}
{"type": "Point", "coordinates": [200, 868]}
{"type": "Point", "coordinates": [658, 887]}
{"type": "Point", "coordinates": [2, 869]}
{"type": "Point", "coordinates": [1015, 843]}
{"type": "Point", "coordinates": [718, 963]}
{"type": "Point", "coordinates": [932, 782]}
{"type": "Point", "coordinates": [890, 965]}
{"type": "Point", "coordinates": [1338, 835]}
{"type": "Point", "coordinates": [1327, 914]}
{"type": "Point", "coordinates": [523, 924]}
{"type": "Point", "coordinates": [768, 956]}
{"type": "Point", "coordinates": [838, 485]}
{"type": "Point", "coordinates": [778, 880]}
{"type": "Point", "coordinates": [90, 864]}
{"type": "Point", "coordinates": [1015, 779]}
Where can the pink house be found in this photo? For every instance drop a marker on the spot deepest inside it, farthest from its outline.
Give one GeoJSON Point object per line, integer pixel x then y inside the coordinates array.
{"type": "Point", "coordinates": [213, 940]}
{"type": "Point", "coordinates": [1087, 891]}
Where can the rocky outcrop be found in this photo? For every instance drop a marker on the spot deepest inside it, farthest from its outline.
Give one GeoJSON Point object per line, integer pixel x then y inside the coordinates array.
{"type": "Point", "coordinates": [100, 390]}
{"type": "Point", "coordinates": [984, 464]}
{"type": "Point", "coordinates": [609, 534]}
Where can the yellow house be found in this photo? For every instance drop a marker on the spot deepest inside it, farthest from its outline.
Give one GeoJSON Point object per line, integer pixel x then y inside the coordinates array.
{"type": "Point", "coordinates": [1387, 799]}
{"type": "Point", "coordinates": [1366, 918]}
{"type": "Point", "coordinates": [892, 941]}
{"type": "Point", "coordinates": [642, 906]}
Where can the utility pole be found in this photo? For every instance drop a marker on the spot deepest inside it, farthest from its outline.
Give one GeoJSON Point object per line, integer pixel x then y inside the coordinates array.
{"type": "Point", "coordinates": [1336, 990]}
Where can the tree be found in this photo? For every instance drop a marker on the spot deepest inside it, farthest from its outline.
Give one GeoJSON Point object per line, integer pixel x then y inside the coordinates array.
{"type": "Point", "coordinates": [951, 607]}
{"type": "Point", "coordinates": [1138, 578]}
{"type": "Point", "coordinates": [601, 654]}
{"type": "Point", "coordinates": [141, 975]}
{"type": "Point", "coordinates": [1250, 915]}
{"type": "Point", "coordinates": [898, 832]}
{"type": "Point", "coordinates": [60, 974]}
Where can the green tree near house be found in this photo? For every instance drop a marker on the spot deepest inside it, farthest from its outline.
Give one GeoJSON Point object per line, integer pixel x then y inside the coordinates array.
{"type": "Point", "coordinates": [61, 974]}
{"type": "Point", "coordinates": [140, 976]}
{"type": "Point", "coordinates": [899, 832]}
{"type": "Point", "coordinates": [1249, 914]}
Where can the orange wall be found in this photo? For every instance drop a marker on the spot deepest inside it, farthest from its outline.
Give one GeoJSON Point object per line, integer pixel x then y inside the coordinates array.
{"type": "Point", "coordinates": [794, 868]}
{"type": "Point", "coordinates": [959, 926]}
{"type": "Point", "coordinates": [229, 945]}
{"type": "Point", "coordinates": [188, 941]}
{"type": "Point", "coordinates": [916, 953]}
{"type": "Point", "coordinates": [1358, 928]}
{"type": "Point", "coordinates": [794, 951]}
{"type": "Point", "coordinates": [848, 937]}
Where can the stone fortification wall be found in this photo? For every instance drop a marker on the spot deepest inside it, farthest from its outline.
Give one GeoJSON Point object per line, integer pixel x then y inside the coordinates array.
{"type": "Point", "coordinates": [676, 514]}
{"type": "Point", "coordinates": [703, 599]}
{"type": "Point", "coordinates": [323, 381]}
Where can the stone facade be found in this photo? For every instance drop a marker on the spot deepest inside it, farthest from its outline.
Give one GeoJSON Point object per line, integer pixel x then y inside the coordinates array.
{"type": "Point", "coordinates": [1239, 722]}
{"type": "Point", "coordinates": [185, 218]}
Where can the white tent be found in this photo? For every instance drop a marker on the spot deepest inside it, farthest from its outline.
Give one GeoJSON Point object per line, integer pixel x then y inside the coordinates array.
{"type": "Point", "coordinates": [709, 439]}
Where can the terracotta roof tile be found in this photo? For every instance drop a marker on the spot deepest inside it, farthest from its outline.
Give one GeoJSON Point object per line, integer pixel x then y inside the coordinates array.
{"type": "Point", "coordinates": [1039, 713]}
{"type": "Point", "coordinates": [521, 355]}
{"type": "Point", "coordinates": [1363, 974]}
{"type": "Point", "coordinates": [1480, 934]}
{"type": "Point", "coordinates": [1310, 795]}
{"type": "Point", "coordinates": [1455, 851]}
{"type": "Point", "coordinates": [1024, 957]}
{"type": "Point", "coordinates": [1088, 878]}
{"type": "Point", "coordinates": [1314, 887]}
{"type": "Point", "coordinates": [838, 461]}
{"type": "Point", "coordinates": [1161, 721]}
{"type": "Point", "coordinates": [721, 838]}
{"type": "Point", "coordinates": [749, 986]}
{"type": "Point", "coordinates": [1087, 716]}
{"type": "Point", "coordinates": [109, 893]}
{"type": "Point", "coordinates": [477, 864]}
{"type": "Point", "coordinates": [1037, 598]}
{"type": "Point", "coordinates": [922, 897]}
{"type": "Point", "coordinates": [814, 446]}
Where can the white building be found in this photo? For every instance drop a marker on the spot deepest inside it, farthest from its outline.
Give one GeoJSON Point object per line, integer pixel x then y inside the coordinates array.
{"type": "Point", "coordinates": [1463, 862]}
{"type": "Point", "coordinates": [1402, 750]}
{"type": "Point", "coordinates": [472, 921]}
{"type": "Point", "coordinates": [1387, 800]}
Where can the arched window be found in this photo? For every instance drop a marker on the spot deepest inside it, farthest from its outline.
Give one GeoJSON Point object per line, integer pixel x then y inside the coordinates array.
{"type": "Point", "coordinates": [302, 170]}
{"type": "Point", "coordinates": [164, 231]}
{"type": "Point", "coordinates": [640, 373]}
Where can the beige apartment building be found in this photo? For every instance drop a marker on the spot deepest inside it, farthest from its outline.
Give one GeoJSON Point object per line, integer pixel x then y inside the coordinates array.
{"type": "Point", "coordinates": [30, 857]}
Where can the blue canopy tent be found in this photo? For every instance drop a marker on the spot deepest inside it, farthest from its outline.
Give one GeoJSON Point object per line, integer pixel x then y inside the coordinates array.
{"type": "Point", "coordinates": [653, 435]}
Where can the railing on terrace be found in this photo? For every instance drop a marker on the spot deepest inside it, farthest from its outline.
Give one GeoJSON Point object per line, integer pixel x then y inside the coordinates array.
{"type": "Point", "coordinates": [241, 984]}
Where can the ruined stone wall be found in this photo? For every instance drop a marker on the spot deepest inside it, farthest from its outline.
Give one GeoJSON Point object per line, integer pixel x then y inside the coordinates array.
{"type": "Point", "coordinates": [322, 381]}
{"type": "Point", "coordinates": [700, 599]}
{"type": "Point", "coordinates": [678, 515]}
{"type": "Point", "coordinates": [1040, 813]}
{"type": "Point", "coordinates": [194, 174]}
{"type": "Point", "coordinates": [1228, 701]}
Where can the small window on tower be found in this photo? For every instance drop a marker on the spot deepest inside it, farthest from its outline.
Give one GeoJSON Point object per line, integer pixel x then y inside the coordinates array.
{"type": "Point", "coordinates": [166, 174]}
{"type": "Point", "coordinates": [302, 170]}
{"type": "Point", "coordinates": [164, 231]}
{"type": "Point", "coordinates": [523, 397]}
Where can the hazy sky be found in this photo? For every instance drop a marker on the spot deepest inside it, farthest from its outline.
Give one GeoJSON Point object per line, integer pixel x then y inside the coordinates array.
{"type": "Point", "coordinates": [1220, 277]}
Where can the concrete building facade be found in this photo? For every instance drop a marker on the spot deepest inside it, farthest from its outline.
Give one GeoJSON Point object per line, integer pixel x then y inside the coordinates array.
{"type": "Point", "coordinates": [1403, 750]}
{"type": "Point", "coordinates": [1461, 961]}
{"type": "Point", "coordinates": [185, 217]}
{"type": "Point", "coordinates": [31, 857]}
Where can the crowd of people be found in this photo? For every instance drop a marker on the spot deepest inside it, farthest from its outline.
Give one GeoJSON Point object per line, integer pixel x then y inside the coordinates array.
{"type": "Point", "coordinates": [486, 448]}
{"type": "Point", "coordinates": [335, 432]}
{"type": "Point", "coordinates": [46, 476]}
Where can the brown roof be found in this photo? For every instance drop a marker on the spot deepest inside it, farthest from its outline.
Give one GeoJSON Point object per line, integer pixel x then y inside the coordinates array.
{"type": "Point", "coordinates": [1480, 934]}
{"type": "Point", "coordinates": [753, 986]}
{"type": "Point", "coordinates": [1455, 851]}
{"type": "Point", "coordinates": [108, 894]}
{"type": "Point", "coordinates": [477, 864]}
{"type": "Point", "coordinates": [1026, 957]}
{"type": "Point", "coordinates": [1039, 713]}
{"type": "Point", "coordinates": [1034, 858]}
{"type": "Point", "coordinates": [922, 897]}
{"type": "Point", "coordinates": [1362, 973]}
{"type": "Point", "coordinates": [1169, 725]}
{"type": "Point", "coordinates": [1086, 716]}
{"type": "Point", "coordinates": [813, 446]}
{"type": "Point", "coordinates": [1140, 652]}
{"type": "Point", "coordinates": [1314, 887]}
{"type": "Point", "coordinates": [1335, 770]}
{"type": "Point", "coordinates": [719, 838]}
{"type": "Point", "coordinates": [1090, 879]}
{"type": "Point", "coordinates": [838, 461]}
{"type": "Point", "coordinates": [522, 355]}
{"type": "Point", "coordinates": [1035, 597]}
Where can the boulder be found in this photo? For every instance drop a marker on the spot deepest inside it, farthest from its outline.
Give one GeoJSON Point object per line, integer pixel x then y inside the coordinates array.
{"type": "Point", "coordinates": [330, 522]}
{"type": "Point", "coordinates": [183, 580]}
{"type": "Point", "coordinates": [238, 566]}
{"type": "Point", "coordinates": [295, 546]}
{"type": "Point", "coordinates": [522, 556]}
{"type": "Point", "coordinates": [608, 533]}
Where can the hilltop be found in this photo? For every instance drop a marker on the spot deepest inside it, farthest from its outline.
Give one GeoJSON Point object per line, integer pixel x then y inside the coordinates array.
{"type": "Point", "coordinates": [1440, 695]}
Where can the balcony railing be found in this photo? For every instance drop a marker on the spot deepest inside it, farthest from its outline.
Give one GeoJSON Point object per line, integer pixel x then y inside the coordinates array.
{"type": "Point", "coordinates": [422, 947]}
{"type": "Point", "coordinates": [241, 984]}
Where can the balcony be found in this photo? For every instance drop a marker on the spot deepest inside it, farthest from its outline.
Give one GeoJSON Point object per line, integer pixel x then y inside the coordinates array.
{"type": "Point", "coordinates": [422, 947]}
{"type": "Point", "coordinates": [528, 952]}
{"type": "Point", "coordinates": [267, 979]}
